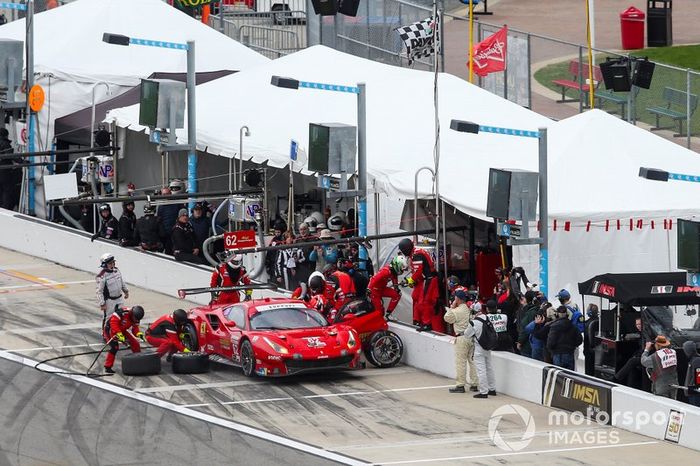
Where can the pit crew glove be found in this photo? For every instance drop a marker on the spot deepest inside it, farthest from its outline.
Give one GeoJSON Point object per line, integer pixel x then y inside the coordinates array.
{"type": "Point", "coordinates": [120, 337]}
{"type": "Point", "coordinates": [410, 282]}
{"type": "Point", "coordinates": [141, 336]}
{"type": "Point", "coordinates": [186, 350]}
{"type": "Point", "coordinates": [248, 295]}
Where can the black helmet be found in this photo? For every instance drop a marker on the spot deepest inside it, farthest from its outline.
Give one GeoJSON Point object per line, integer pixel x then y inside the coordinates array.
{"type": "Point", "coordinates": [126, 203]}
{"type": "Point", "coordinates": [179, 316]}
{"type": "Point", "coordinates": [406, 247]}
{"type": "Point", "coordinates": [316, 284]}
{"type": "Point", "coordinates": [105, 207]}
{"type": "Point", "coordinates": [149, 209]}
{"type": "Point", "coordinates": [137, 313]}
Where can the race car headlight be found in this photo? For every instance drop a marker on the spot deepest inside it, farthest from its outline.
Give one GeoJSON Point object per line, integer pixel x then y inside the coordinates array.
{"type": "Point", "coordinates": [276, 346]}
{"type": "Point", "coordinates": [351, 340]}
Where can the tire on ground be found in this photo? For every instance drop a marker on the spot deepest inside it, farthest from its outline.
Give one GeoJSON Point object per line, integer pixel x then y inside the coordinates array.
{"type": "Point", "coordinates": [384, 349]}
{"type": "Point", "coordinates": [141, 364]}
{"type": "Point", "coordinates": [190, 363]}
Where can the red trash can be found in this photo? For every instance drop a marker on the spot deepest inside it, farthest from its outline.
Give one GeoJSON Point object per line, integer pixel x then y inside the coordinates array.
{"type": "Point", "coordinates": [632, 28]}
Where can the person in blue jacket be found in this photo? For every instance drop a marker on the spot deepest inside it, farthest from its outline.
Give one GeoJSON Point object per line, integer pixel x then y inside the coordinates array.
{"type": "Point", "coordinates": [575, 314]}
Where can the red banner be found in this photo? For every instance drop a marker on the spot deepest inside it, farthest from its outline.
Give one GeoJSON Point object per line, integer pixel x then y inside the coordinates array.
{"type": "Point", "coordinates": [490, 54]}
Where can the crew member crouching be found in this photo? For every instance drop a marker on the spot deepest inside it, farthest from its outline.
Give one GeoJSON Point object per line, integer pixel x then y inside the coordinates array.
{"type": "Point", "coordinates": [166, 334]}
{"type": "Point", "coordinates": [122, 327]}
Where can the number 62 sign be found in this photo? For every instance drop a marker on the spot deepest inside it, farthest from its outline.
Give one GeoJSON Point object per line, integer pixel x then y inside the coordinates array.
{"type": "Point", "coordinates": [239, 239]}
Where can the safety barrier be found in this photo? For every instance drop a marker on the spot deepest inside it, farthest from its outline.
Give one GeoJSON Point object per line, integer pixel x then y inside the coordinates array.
{"type": "Point", "coordinates": [518, 377]}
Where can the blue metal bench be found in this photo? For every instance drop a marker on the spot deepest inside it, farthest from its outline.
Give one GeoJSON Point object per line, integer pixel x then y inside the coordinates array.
{"type": "Point", "coordinates": [676, 109]}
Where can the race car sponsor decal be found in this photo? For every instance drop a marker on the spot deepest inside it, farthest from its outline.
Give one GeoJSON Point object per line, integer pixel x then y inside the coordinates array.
{"type": "Point", "coordinates": [255, 338]}
{"type": "Point", "coordinates": [314, 342]}
{"type": "Point", "coordinates": [268, 307]}
{"type": "Point", "coordinates": [225, 343]}
{"type": "Point", "coordinates": [210, 347]}
{"type": "Point", "coordinates": [203, 328]}
{"type": "Point", "coordinates": [274, 357]}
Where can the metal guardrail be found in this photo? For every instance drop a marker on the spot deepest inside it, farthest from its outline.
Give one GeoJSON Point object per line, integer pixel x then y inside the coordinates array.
{"type": "Point", "coordinates": [273, 33]}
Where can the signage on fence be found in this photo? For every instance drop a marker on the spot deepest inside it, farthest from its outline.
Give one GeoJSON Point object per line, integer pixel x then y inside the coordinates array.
{"type": "Point", "coordinates": [674, 426]}
{"type": "Point", "coordinates": [239, 239]}
{"type": "Point", "coordinates": [577, 392]}
{"type": "Point", "coordinates": [508, 230]}
{"type": "Point", "coordinates": [329, 183]}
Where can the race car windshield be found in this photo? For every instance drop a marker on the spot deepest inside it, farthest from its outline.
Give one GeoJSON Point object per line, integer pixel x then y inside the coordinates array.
{"type": "Point", "coordinates": [287, 319]}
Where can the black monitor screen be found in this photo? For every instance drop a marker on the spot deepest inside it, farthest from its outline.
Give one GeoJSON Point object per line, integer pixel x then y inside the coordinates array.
{"type": "Point", "coordinates": [688, 245]}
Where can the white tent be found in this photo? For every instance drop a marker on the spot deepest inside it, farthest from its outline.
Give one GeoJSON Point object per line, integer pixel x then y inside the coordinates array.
{"type": "Point", "coordinates": [70, 57]}
{"type": "Point", "coordinates": [594, 158]}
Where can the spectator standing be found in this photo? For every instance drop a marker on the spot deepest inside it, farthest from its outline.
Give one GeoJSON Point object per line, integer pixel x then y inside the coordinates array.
{"type": "Point", "coordinates": [500, 325]}
{"type": "Point", "coordinates": [527, 315]}
{"type": "Point", "coordinates": [184, 243]}
{"type": "Point", "coordinates": [590, 331]}
{"type": "Point", "coordinates": [662, 360]}
{"type": "Point", "coordinates": [200, 224]}
{"type": "Point", "coordinates": [532, 330]}
{"type": "Point", "coordinates": [575, 314]}
{"type": "Point", "coordinates": [326, 254]}
{"type": "Point", "coordinates": [271, 256]}
{"type": "Point", "coordinates": [168, 214]}
{"type": "Point", "coordinates": [149, 230]}
{"type": "Point", "coordinates": [10, 178]}
{"type": "Point", "coordinates": [692, 377]}
{"type": "Point", "coordinates": [287, 260]}
{"type": "Point", "coordinates": [127, 225]}
{"type": "Point", "coordinates": [109, 225]}
{"type": "Point", "coordinates": [563, 339]}
{"type": "Point", "coordinates": [305, 266]}
{"type": "Point", "coordinates": [459, 316]}
{"type": "Point", "coordinates": [484, 337]}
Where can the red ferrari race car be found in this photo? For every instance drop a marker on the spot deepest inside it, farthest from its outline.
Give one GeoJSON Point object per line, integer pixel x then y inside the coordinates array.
{"type": "Point", "coordinates": [273, 337]}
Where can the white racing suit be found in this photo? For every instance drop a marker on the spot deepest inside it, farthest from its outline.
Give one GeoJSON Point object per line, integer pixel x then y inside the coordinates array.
{"type": "Point", "coordinates": [482, 358]}
{"type": "Point", "coordinates": [110, 290]}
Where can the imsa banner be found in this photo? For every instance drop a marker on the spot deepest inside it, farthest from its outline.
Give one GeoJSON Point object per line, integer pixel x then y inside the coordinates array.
{"type": "Point", "coordinates": [577, 393]}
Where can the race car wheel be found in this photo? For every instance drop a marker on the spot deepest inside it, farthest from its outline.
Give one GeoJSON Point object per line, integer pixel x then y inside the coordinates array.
{"type": "Point", "coordinates": [384, 349]}
{"type": "Point", "coordinates": [247, 359]}
{"type": "Point", "coordinates": [141, 364]}
{"type": "Point", "coordinates": [190, 363]}
{"type": "Point", "coordinates": [190, 341]}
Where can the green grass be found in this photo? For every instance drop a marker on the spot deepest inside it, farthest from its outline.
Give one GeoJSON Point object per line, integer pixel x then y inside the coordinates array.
{"type": "Point", "coordinates": [683, 56]}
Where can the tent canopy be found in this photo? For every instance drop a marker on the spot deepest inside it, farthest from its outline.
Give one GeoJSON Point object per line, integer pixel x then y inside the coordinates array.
{"type": "Point", "coordinates": [642, 289]}
{"type": "Point", "coordinates": [68, 41]}
{"type": "Point", "coordinates": [74, 128]}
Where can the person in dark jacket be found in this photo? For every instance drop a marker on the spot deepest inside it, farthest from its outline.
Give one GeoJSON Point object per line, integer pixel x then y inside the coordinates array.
{"type": "Point", "coordinates": [168, 214]}
{"type": "Point", "coordinates": [127, 225]}
{"type": "Point", "coordinates": [527, 315]}
{"type": "Point", "coordinates": [184, 242]}
{"type": "Point", "coordinates": [632, 372]}
{"type": "Point", "coordinates": [149, 232]}
{"type": "Point", "coordinates": [271, 256]}
{"type": "Point", "coordinates": [10, 178]}
{"type": "Point", "coordinates": [109, 225]}
{"type": "Point", "coordinates": [200, 224]}
{"type": "Point", "coordinates": [590, 331]}
{"type": "Point", "coordinates": [692, 377]}
{"type": "Point", "coordinates": [563, 339]}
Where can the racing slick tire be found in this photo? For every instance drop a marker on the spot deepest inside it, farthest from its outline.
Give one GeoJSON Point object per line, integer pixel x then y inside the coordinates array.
{"type": "Point", "coordinates": [247, 359]}
{"type": "Point", "coordinates": [190, 363]}
{"type": "Point", "coordinates": [384, 349]}
{"type": "Point", "coordinates": [141, 364]}
{"type": "Point", "coordinates": [191, 341]}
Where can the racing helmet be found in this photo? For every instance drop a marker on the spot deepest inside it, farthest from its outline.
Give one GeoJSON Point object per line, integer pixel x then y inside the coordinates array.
{"type": "Point", "coordinates": [336, 222]}
{"type": "Point", "coordinates": [137, 313]}
{"type": "Point", "coordinates": [105, 208]}
{"type": "Point", "coordinates": [149, 209]}
{"type": "Point", "coordinates": [179, 316]}
{"type": "Point", "coordinates": [177, 186]}
{"type": "Point", "coordinates": [311, 222]}
{"type": "Point", "coordinates": [316, 282]}
{"type": "Point", "coordinates": [406, 247]}
{"type": "Point", "coordinates": [235, 260]}
{"type": "Point", "coordinates": [105, 259]}
{"type": "Point", "coordinates": [398, 265]}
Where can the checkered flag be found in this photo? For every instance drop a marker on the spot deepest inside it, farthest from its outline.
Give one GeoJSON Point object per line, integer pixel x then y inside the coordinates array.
{"type": "Point", "coordinates": [421, 38]}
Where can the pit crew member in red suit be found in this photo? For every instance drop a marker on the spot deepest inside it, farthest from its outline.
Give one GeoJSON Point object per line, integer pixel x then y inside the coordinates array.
{"type": "Point", "coordinates": [165, 334]}
{"type": "Point", "coordinates": [230, 273]}
{"type": "Point", "coordinates": [385, 284]}
{"type": "Point", "coordinates": [121, 327]}
{"type": "Point", "coordinates": [424, 281]}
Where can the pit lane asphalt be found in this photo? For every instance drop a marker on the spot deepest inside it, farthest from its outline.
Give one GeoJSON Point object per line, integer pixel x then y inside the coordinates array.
{"type": "Point", "coordinates": [392, 416]}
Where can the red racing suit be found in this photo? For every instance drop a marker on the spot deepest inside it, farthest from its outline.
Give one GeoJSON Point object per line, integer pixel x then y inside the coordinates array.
{"type": "Point", "coordinates": [425, 290]}
{"type": "Point", "coordinates": [345, 287]}
{"type": "Point", "coordinates": [165, 336]}
{"type": "Point", "coordinates": [379, 288]}
{"type": "Point", "coordinates": [325, 302]}
{"type": "Point", "coordinates": [120, 321]}
{"type": "Point", "coordinates": [225, 275]}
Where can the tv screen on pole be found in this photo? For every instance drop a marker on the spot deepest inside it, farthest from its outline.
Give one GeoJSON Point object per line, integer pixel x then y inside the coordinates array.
{"type": "Point", "coordinates": [319, 145]}
{"type": "Point", "coordinates": [148, 110]}
{"type": "Point", "coordinates": [688, 245]}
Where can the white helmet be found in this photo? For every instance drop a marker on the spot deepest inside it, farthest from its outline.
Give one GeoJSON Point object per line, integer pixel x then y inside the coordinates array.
{"type": "Point", "coordinates": [316, 274]}
{"type": "Point", "coordinates": [336, 222]}
{"type": "Point", "coordinates": [105, 259]}
{"type": "Point", "coordinates": [235, 260]}
{"type": "Point", "coordinates": [318, 216]}
{"type": "Point", "coordinates": [311, 222]}
{"type": "Point", "coordinates": [177, 186]}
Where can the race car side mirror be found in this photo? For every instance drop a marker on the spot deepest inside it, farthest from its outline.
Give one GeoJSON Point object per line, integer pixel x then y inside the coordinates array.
{"type": "Point", "coordinates": [230, 324]}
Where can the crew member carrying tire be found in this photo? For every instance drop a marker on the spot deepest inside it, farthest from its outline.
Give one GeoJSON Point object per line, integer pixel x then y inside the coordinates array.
{"type": "Point", "coordinates": [122, 327]}
{"type": "Point", "coordinates": [379, 285]}
{"type": "Point", "coordinates": [424, 281]}
{"type": "Point", "coordinates": [166, 334]}
{"type": "Point", "coordinates": [230, 273]}
{"type": "Point", "coordinates": [111, 289]}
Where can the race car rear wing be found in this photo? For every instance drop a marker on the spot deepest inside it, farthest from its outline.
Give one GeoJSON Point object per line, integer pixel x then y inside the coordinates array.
{"type": "Point", "coordinates": [182, 293]}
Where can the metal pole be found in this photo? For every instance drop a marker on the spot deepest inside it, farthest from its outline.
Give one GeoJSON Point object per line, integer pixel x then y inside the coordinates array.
{"type": "Point", "coordinates": [415, 198]}
{"type": "Point", "coordinates": [377, 227]}
{"type": "Point", "coordinates": [544, 214]}
{"type": "Point", "coordinates": [362, 168]}
{"type": "Point", "coordinates": [687, 109]}
{"type": "Point", "coordinates": [436, 157]}
{"type": "Point", "coordinates": [191, 122]}
{"type": "Point", "coordinates": [241, 134]}
{"type": "Point", "coordinates": [30, 82]}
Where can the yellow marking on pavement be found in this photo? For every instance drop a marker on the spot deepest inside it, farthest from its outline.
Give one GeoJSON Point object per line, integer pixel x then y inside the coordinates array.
{"type": "Point", "coordinates": [38, 281]}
